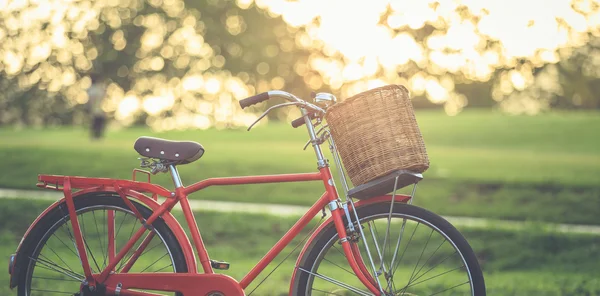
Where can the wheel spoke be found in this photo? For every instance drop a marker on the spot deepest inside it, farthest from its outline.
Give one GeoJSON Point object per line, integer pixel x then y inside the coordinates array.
{"type": "Point", "coordinates": [403, 252]}
{"type": "Point", "coordinates": [100, 240]}
{"type": "Point", "coordinates": [59, 257]}
{"type": "Point", "coordinates": [333, 281]}
{"type": "Point", "coordinates": [450, 288]}
{"type": "Point", "coordinates": [130, 252]}
{"type": "Point", "coordinates": [161, 269]}
{"type": "Point", "coordinates": [52, 266]}
{"type": "Point", "coordinates": [64, 244]}
{"type": "Point", "coordinates": [412, 275]}
{"type": "Point", "coordinates": [89, 250]}
{"type": "Point", "coordinates": [54, 279]}
{"type": "Point", "coordinates": [132, 226]}
{"type": "Point", "coordinates": [435, 276]}
{"type": "Point", "coordinates": [379, 253]}
{"type": "Point", "coordinates": [433, 267]}
{"type": "Point", "coordinates": [70, 234]}
{"type": "Point", "coordinates": [163, 256]}
{"type": "Point", "coordinates": [344, 269]}
{"type": "Point", "coordinates": [120, 224]}
{"type": "Point", "coordinates": [328, 293]}
{"type": "Point", "coordinates": [124, 262]}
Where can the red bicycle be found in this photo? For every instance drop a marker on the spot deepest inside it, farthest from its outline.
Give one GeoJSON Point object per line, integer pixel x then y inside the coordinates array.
{"type": "Point", "coordinates": [115, 237]}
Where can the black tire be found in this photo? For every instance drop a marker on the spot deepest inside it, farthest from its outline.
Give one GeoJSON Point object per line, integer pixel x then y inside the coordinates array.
{"type": "Point", "coordinates": [327, 239]}
{"type": "Point", "coordinates": [58, 218]}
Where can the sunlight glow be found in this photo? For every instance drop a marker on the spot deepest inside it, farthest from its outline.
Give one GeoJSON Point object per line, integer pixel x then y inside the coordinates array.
{"type": "Point", "coordinates": [534, 30]}
{"type": "Point", "coordinates": [351, 46]}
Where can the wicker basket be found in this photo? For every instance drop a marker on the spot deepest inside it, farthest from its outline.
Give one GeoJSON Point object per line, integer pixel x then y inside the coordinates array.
{"type": "Point", "coordinates": [376, 133]}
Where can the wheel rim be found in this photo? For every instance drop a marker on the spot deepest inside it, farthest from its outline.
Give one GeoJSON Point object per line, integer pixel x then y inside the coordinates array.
{"type": "Point", "coordinates": [418, 262]}
{"type": "Point", "coordinates": [55, 269]}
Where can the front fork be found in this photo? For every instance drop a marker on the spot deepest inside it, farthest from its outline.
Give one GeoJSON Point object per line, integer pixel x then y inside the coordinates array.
{"type": "Point", "coordinates": [354, 259]}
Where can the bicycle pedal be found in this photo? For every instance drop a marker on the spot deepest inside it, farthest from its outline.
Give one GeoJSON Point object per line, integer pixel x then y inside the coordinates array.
{"type": "Point", "coordinates": [221, 265]}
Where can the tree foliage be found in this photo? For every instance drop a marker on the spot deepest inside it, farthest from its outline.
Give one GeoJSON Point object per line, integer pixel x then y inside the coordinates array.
{"type": "Point", "coordinates": [169, 64]}
{"type": "Point", "coordinates": [175, 63]}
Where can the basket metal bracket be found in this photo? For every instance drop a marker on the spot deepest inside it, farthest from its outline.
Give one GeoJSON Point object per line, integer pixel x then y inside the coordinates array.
{"type": "Point", "coordinates": [322, 163]}
{"type": "Point", "coordinates": [334, 205]}
{"type": "Point", "coordinates": [348, 217]}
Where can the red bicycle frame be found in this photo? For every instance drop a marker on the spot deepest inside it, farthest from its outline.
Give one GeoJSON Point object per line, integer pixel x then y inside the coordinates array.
{"type": "Point", "coordinates": [188, 283]}
{"type": "Point", "coordinates": [194, 283]}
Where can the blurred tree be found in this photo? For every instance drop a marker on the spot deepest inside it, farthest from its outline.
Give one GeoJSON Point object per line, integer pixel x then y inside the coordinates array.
{"type": "Point", "coordinates": [571, 83]}
{"type": "Point", "coordinates": [176, 63]}
{"type": "Point", "coordinates": [168, 65]}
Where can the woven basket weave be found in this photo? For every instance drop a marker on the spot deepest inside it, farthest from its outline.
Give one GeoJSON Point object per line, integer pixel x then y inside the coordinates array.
{"type": "Point", "coordinates": [376, 133]}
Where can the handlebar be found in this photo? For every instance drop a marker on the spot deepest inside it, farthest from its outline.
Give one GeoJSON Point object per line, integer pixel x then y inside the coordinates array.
{"type": "Point", "coordinates": [313, 111]}
{"type": "Point", "coordinates": [308, 110]}
{"type": "Point", "coordinates": [254, 100]}
{"type": "Point", "coordinates": [272, 94]}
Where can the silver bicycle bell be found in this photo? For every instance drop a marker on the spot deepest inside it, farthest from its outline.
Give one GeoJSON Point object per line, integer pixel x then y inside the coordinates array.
{"type": "Point", "coordinates": [325, 100]}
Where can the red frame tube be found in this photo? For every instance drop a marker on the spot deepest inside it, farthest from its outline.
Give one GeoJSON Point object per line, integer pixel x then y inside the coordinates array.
{"type": "Point", "coordinates": [285, 240]}
{"type": "Point", "coordinates": [252, 180]}
{"type": "Point", "coordinates": [81, 250]}
{"type": "Point", "coordinates": [137, 252]}
{"type": "Point", "coordinates": [195, 232]}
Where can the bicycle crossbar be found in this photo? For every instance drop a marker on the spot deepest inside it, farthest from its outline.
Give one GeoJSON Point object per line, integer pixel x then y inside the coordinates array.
{"type": "Point", "coordinates": [253, 180]}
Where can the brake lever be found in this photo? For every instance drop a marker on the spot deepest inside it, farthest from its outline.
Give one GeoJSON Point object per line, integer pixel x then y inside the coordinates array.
{"type": "Point", "coordinates": [272, 108]}
{"type": "Point", "coordinates": [320, 139]}
{"type": "Point", "coordinates": [306, 145]}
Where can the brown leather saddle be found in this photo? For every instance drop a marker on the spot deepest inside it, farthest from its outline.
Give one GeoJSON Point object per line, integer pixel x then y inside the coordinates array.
{"type": "Point", "coordinates": [176, 152]}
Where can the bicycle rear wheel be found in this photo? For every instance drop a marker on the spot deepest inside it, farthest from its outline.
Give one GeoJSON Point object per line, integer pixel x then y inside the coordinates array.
{"type": "Point", "coordinates": [54, 267]}
{"type": "Point", "coordinates": [416, 253]}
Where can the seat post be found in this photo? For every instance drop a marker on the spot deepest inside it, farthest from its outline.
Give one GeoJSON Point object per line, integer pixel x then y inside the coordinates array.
{"type": "Point", "coordinates": [175, 176]}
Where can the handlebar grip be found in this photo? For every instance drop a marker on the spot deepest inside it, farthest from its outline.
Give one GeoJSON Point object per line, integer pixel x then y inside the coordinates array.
{"type": "Point", "coordinates": [300, 121]}
{"type": "Point", "coordinates": [254, 100]}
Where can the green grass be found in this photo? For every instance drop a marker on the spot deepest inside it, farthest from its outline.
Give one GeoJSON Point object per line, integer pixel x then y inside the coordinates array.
{"type": "Point", "coordinates": [528, 262]}
{"type": "Point", "coordinates": [484, 164]}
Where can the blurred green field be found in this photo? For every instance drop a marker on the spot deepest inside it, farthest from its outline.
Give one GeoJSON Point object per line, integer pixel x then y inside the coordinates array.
{"type": "Point", "coordinates": [528, 262]}
{"type": "Point", "coordinates": [483, 164]}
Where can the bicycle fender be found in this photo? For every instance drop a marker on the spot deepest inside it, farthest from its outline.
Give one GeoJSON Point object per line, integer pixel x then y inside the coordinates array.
{"type": "Point", "coordinates": [328, 222]}
{"type": "Point", "coordinates": [17, 263]}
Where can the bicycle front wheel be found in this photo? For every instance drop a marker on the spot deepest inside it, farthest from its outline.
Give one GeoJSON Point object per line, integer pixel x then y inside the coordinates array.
{"type": "Point", "coordinates": [54, 266]}
{"type": "Point", "coordinates": [413, 252]}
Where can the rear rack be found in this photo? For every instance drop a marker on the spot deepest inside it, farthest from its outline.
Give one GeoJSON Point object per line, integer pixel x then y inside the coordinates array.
{"type": "Point", "coordinates": [56, 182]}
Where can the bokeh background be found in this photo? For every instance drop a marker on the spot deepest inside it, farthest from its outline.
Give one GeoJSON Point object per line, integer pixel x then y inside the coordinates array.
{"type": "Point", "coordinates": [506, 95]}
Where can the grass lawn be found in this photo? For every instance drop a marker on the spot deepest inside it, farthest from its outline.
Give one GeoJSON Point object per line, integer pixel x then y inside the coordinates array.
{"type": "Point", "coordinates": [484, 164]}
{"type": "Point", "coordinates": [527, 262]}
